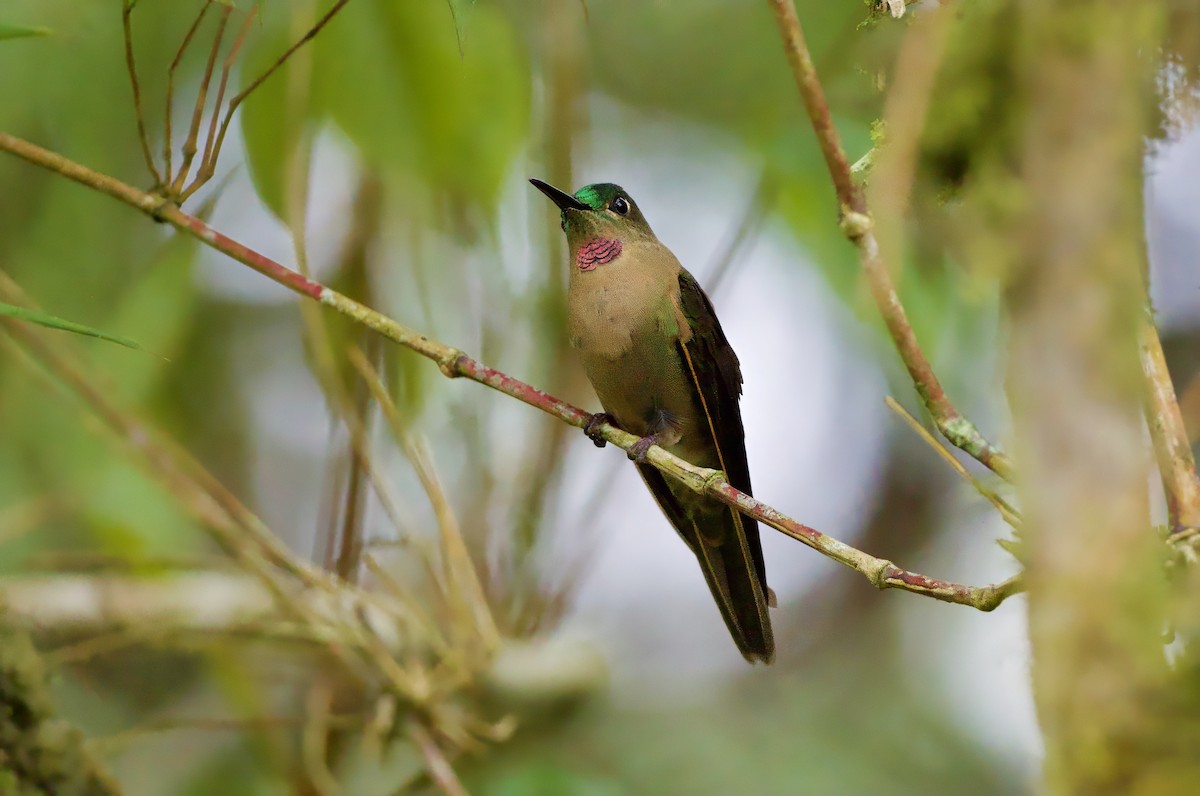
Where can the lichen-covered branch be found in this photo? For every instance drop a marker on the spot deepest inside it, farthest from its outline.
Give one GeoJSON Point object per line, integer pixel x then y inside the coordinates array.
{"type": "Point", "coordinates": [39, 753]}
{"type": "Point", "coordinates": [454, 363]}
{"type": "Point", "coordinates": [856, 224]}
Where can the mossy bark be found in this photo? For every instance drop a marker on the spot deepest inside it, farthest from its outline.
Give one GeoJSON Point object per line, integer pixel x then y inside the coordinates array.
{"type": "Point", "coordinates": [39, 753]}
{"type": "Point", "coordinates": [1113, 712]}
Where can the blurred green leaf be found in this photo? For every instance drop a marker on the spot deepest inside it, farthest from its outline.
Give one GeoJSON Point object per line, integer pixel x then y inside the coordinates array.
{"type": "Point", "coordinates": [22, 31]}
{"type": "Point", "coordinates": [460, 10]}
{"type": "Point", "coordinates": [159, 302]}
{"type": "Point", "coordinates": [393, 79]}
{"type": "Point", "coordinates": [52, 322]}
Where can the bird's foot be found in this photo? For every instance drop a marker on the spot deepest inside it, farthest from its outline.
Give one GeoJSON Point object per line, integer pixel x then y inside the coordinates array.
{"type": "Point", "coordinates": [637, 451]}
{"type": "Point", "coordinates": [592, 429]}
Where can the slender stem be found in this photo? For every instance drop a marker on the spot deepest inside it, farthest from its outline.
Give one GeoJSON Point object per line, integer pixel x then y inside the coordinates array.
{"type": "Point", "coordinates": [191, 145]}
{"type": "Point", "coordinates": [187, 39]}
{"type": "Point", "coordinates": [436, 763]}
{"type": "Point", "coordinates": [242, 535]}
{"type": "Point", "coordinates": [467, 591]}
{"type": "Point", "coordinates": [1165, 420]}
{"type": "Point", "coordinates": [240, 96]}
{"type": "Point", "coordinates": [1009, 514]}
{"type": "Point", "coordinates": [208, 159]}
{"type": "Point", "coordinates": [856, 224]}
{"type": "Point", "coordinates": [454, 363]}
{"type": "Point", "coordinates": [131, 66]}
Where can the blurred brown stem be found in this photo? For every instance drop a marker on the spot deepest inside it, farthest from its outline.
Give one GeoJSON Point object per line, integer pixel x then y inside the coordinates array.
{"type": "Point", "coordinates": [233, 526]}
{"type": "Point", "coordinates": [856, 224]}
{"type": "Point", "coordinates": [1165, 420]}
{"type": "Point", "coordinates": [436, 763]}
{"type": "Point", "coordinates": [454, 363]}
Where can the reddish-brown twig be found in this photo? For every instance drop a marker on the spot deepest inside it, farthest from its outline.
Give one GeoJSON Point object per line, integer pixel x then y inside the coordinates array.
{"type": "Point", "coordinates": [856, 224]}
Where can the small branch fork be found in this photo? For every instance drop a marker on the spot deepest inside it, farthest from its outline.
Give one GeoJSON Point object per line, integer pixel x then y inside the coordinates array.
{"type": "Point", "coordinates": [454, 363]}
{"type": "Point", "coordinates": [173, 186]}
{"type": "Point", "coordinates": [857, 226]}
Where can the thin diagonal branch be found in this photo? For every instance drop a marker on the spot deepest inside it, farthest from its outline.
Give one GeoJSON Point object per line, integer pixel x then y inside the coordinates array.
{"type": "Point", "coordinates": [1165, 420]}
{"type": "Point", "coordinates": [454, 363]}
{"type": "Point", "coordinates": [856, 224]}
{"type": "Point", "coordinates": [436, 763]}
{"type": "Point", "coordinates": [1007, 512]}
{"type": "Point", "coordinates": [239, 532]}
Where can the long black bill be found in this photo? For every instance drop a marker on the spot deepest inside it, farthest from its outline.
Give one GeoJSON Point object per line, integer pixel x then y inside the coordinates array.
{"type": "Point", "coordinates": [564, 200]}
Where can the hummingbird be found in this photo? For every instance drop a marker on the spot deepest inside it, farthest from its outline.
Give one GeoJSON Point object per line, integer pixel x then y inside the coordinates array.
{"type": "Point", "coordinates": [653, 350]}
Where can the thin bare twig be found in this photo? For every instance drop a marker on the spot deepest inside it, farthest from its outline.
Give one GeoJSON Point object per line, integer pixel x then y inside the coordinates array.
{"type": "Point", "coordinates": [454, 363]}
{"type": "Point", "coordinates": [240, 96]}
{"type": "Point", "coordinates": [1172, 448]}
{"type": "Point", "coordinates": [208, 160]}
{"type": "Point", "coordinates": [191, 145]}
{"type": "Point", "coordinates": [463, 584]}
{"type": "Point", "coordinates": [131, 66]}
{"type": "Point", "coordinates": [168, 144]}
{"type": "Point", "coordinates": [1009, 514]}
{"type": "Point", "coordinates": [239, 533]}
{"type": "Point", "coordinates": [856, 224]}
{"type": "Point", "coordinates": [315, 739]}
{"type": "Point", "coordinates": [436, 763]}
{"type": "Point", "coordinates": [231, 524]}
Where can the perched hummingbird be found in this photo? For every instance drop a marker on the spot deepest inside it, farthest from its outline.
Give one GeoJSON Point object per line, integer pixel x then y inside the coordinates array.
{"type": "Point", "coordinates": [654, 351]}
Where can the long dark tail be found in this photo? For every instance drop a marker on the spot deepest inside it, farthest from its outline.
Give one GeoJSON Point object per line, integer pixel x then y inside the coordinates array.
{"type": "Point", "coordinates": [726, 545]}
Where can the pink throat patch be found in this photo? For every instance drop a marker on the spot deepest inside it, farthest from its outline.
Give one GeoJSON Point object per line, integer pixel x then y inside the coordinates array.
{"type": "Point", "coordinates": [597, 252]}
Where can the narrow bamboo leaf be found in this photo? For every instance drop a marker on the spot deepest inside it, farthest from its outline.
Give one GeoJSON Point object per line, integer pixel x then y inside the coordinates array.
{"type": "Point", "coordinates": [458, 13]}
{"type": "Point", "coordinates": [52, 322]}
{"type": "Point", "coordinates": [21, 31]}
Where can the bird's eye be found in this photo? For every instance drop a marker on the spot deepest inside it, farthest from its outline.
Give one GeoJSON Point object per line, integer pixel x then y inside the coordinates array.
{"type": "Point", "coordinates": [620, 206]}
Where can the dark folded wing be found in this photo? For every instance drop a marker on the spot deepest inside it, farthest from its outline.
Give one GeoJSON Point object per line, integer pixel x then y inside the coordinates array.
{"type": "Point", "coordinates": [718, 378]}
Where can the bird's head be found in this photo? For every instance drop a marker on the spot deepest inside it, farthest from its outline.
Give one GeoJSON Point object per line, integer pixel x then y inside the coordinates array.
{"type": "Point", "coordinates": [598, 212]}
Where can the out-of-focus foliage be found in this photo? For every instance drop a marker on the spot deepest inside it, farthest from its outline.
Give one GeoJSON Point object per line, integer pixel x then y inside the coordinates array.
{"type": "Point", "coordinates": [444, 106]}
{"type": "Point", "coordinates": [21, 31]}
{"type": "Point", "coordinates": [53, 322]}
